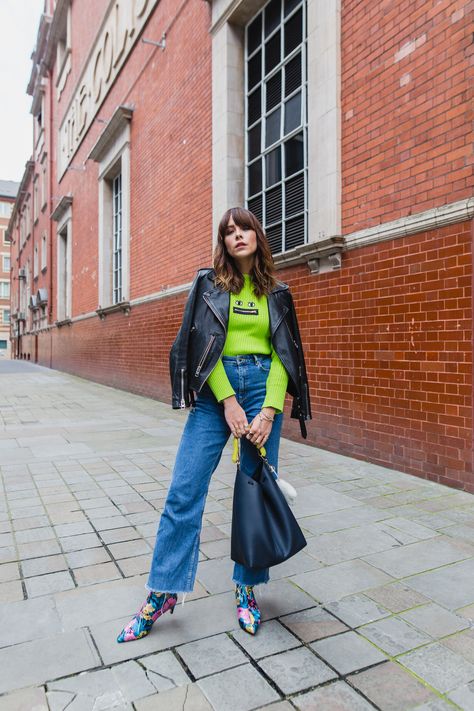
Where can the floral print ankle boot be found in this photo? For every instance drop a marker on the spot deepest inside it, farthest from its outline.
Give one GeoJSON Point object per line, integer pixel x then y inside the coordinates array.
{"type": "Point", "coordinates": [248, 613]}
{"type": "Point", "coordinates": [154, 606]}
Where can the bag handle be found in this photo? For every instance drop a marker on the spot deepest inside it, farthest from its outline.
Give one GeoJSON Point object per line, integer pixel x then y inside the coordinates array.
{"type": "Point", "coordinates": [236, 451]}
{"type": "Point", "coordinates": [261, 453]}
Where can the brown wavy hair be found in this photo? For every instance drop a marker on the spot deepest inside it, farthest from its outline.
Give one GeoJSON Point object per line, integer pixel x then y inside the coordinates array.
{"type": "Point", "coordinates": [228, 275]}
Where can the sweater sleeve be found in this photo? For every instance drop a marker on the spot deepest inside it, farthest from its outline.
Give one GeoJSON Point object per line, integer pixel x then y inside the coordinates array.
{"type": "Point", "coordinates": [219, 382]}
{"type": "Point", "coordinates": [277, 383]}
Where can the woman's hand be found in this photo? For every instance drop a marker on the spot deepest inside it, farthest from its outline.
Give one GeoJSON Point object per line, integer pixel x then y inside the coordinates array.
{"type": "Point", "coordinates": [235, 416]}
{"type": "Point", "coordinates": [260, 428]}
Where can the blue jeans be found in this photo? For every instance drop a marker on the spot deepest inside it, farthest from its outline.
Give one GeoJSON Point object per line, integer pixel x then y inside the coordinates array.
{"type": "Point", "coordinates": [206, 432]}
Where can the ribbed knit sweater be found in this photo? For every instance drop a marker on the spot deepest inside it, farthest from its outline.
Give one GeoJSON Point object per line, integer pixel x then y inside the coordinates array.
{"type": "Point", "coordinates": [249, 332]}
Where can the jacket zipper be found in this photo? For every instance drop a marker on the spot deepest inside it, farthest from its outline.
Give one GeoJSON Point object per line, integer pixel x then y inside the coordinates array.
{"type": "Point", "coordinates": [291, 335]}
{"type": "Point", "coordinates": [211, 306]}
{"type": "Point", "coordinates": [182, 403]}
{"type": "Point", "coordinates": [204, 355]}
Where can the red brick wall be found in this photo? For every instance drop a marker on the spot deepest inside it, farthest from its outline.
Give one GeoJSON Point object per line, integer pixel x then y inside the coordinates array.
{"type": "Point", "coordinates": [407, 138]}
{"type": "Point", "coordinates": [388, 347]}
{"type": "Point", "coordinates": [133, 351]}
{"type": "Point", "coordinates": [171, 202]}
{"type": "Point", "coordinates": [388, 337]}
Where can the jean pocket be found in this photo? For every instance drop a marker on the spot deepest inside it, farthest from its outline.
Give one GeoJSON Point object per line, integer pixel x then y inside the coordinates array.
{"type": "Point", "coordinates": [264, 364]}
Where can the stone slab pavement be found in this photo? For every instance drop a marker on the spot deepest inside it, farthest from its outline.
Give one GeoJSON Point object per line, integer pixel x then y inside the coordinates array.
{"type": "Point", "coordinates": [376, 612]}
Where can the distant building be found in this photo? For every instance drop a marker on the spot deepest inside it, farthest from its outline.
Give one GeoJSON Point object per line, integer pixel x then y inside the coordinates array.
{"type": "Point", "coordinates": [345, 126]}
{"type": "Point", "coordinates": [8, 193]}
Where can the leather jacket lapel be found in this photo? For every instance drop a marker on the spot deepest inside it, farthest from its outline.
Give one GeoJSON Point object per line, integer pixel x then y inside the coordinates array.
{"type": "Point", "coordinates": [219, 302]}
{"type": "Point", "coordinates": [276, 313]}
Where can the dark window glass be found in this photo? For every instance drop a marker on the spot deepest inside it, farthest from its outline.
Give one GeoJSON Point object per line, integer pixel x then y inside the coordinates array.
{"type": "Point", "coordinates": [272, 53]}
{"type": "Point", "coordinates": [273, 205]}
{"type": "Point", "coordinates": [294, 233]}
{"type": "Point", "coordinates": [254, 106]}
{"type": "Point", "coordinates": [272, 131]}
{"type": "Point", "coordinates": [256, 206]}
{"type": "Point", "coordinates": [254, 73]}
{"type": "Point", "coordinates": [294, 195]}
{"type": "Point", "coordinates": [293, 32]}
{"type": "Point", "coordinates": [293, 75]}
{"type": "Point", "coordinates": [273, 167]}
{"type": "Point", "coordinates": [273, 91]}
{"type": "Point", "coordinates": [255, 177]}
{"type": "Point", "coordinates": [254, 34]}
{"type": "Point", "coordinates": [290, 5]}
{"type": "Point", "coordinates": [294, 155]}
{"type": "Point", "coordinates": [254, 145]}
{"type": "Point", "coordinates": [293, 113]}
{"type": "Point", "coordinates": [276, 188]}
{"type": "Point", "coordinates": [272, 16]}
{"type": "Point", "coordinates": [274, 238]}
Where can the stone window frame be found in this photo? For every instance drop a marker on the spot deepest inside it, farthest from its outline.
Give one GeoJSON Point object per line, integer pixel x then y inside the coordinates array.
{"type": "Point", "coordinates": [229, 18]}
{"type": "Point", "coordinates": [112, 153]}
{"type": "Point", "coordinates": [64, 294]}
{"type": "Point", "coordinates": [35, 261]}
{"type": "Point", "coordinates": [36, 210]}
{"type": "Point", "coordinates": [44, 251]}
{"type": "Point", "coordinates": [63, 46]}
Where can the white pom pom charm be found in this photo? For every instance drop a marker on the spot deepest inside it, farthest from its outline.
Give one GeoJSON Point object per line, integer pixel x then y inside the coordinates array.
{"type": "Point", "coordinates": [288, 491]}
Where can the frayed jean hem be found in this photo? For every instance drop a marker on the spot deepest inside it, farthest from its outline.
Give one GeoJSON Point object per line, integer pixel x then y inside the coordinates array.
{"type": "Point", "coordinates": [261, 582]}
{"type": "Point", "coordinates": [156, 590]}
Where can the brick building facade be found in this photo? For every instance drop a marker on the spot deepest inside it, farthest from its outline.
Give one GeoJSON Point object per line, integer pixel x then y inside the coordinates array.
{"type": "Point", "coordinates": [346, 127]}
{"type": "Point", "coordinates": [8, 193]}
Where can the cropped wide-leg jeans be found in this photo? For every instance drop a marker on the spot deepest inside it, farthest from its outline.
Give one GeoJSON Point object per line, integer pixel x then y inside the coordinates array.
{"type": "Point", "coordinates": [175, 556]}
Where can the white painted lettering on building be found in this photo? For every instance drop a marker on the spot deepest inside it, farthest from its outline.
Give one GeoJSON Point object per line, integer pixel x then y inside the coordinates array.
{"type": "Point", "coordinates": [123, 23]}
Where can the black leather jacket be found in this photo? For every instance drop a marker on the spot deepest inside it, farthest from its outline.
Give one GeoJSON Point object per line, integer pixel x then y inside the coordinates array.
{"type": "Point", "coordinates": [201, 337]}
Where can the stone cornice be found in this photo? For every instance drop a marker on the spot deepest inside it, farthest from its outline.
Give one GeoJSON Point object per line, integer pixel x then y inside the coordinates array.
{"type": "Point", "coordinates": [120, 118]}
{"type": "Point", "coordinates": [308, 253]}
{"type": "Point", "coordinates": [37, 56]}
{"type": "Point", "coordinates": [238, 12]}
{"type": "Point", "coordinates": [39, 92]}
{"type": "Point", "coordinates": [104, 311]}
{"type": "Point", "coordinates": [411, 224]}
{"type": "Point", "coordinates": [63, 205]}
{"type": "Point", "coordinates": [323, 256]}
{"type": "Point", "coordinates": [59, 17]}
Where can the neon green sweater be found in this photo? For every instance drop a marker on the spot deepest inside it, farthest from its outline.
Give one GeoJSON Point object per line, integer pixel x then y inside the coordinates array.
{"type": "Point", "coordinates": [249, 332]}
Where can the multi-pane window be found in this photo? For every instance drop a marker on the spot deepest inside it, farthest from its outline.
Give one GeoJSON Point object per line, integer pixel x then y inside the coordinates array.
{"type": "Point", "coordinates": [44, 193]}
{"type": "Point", "coordinates": [43, 251]}
{"type": "Point", "coordinates": [35, 261]}
{"type": "Point", "coordinates": [276, 124]}
{"type": "Point", "coordinates": [35, 199]}
{"type": "Point", "coordinates": [4, 289]}
{"type": "Point", "coordinates": [117, 238]}
{"type": "Point", "coordinates": [6, 315]}
{"type": "Point", "coordinates": [5, 209]}
{"type": "Point", "coordinates": [6, 263]}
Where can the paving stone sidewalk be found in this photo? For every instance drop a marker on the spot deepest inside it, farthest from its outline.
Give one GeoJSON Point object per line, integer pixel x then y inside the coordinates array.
{"type": "Point", "coordinates": [376, 612]}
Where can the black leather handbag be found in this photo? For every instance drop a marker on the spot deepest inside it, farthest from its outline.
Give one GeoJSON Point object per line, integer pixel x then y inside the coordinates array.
{"type": "Point", "coordinates": [264, 529]}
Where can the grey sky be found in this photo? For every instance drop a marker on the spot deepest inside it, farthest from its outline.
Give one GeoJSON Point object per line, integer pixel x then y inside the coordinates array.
{"type": "Point", "coordinates": [19, 21]}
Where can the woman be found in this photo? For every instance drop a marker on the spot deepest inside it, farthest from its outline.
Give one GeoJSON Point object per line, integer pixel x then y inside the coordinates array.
{"type": "Point", "coordinates": [240, 349]}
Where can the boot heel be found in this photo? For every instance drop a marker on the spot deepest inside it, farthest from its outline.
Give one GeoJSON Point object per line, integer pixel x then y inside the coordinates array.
{"type": "Point", "coordinates": [172, 609]}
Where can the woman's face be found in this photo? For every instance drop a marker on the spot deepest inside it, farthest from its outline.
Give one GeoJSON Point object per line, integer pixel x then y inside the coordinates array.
{"type": "Point", "coordinates": [241, 244]}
